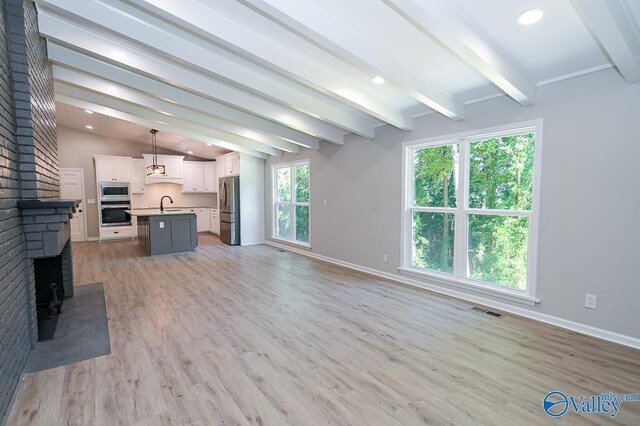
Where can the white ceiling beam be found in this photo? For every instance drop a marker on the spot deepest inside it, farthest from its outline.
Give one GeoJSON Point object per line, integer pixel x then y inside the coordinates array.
{"type": "Point", "coordinates": [217, 128]}
{"type": "Point", "coordinates": [344, 42]}
{"type": "Point", "coordinates": [436, 20]}
{"type": "Point", "coordinates": [206, 58]}
{"type": "Point", "coordinates": [69, 58]}
{"type": "Point", "coordinates": [66, 89]}
{"type": "Point", "coordinates": [198, 17]}
{"type": "Point", "coordinates": [611, 26]}
{"type": "Point", "coordinates": [121, 115]}
{"type": "Point", "coordinates": [120, 53]}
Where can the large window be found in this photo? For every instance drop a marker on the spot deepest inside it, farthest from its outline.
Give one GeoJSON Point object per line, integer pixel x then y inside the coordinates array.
{"type": "Point", "coordinates": [471, 211]}
{"type": "Point", "coordinates": [291, 197]}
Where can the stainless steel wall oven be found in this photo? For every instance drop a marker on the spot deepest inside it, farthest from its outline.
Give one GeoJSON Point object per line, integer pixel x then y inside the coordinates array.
{"type": "Point", "coordinates": [112, 213]}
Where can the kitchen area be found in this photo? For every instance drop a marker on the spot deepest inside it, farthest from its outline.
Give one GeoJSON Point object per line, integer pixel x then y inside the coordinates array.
{"type": "Point", "coordinates": [121, 177]}
{"type": "Point", "coordinates": [136, 199]}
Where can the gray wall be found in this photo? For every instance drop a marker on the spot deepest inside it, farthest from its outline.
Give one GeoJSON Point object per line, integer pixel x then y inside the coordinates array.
{"type": "Point", "coordinates": [77, 149]}
{"type": "Point", "coordinates": [28, 169]}
{"type": "Point", "coordinates": [589, 232]}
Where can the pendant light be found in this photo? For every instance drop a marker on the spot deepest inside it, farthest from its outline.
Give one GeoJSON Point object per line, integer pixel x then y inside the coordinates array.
{"type": "Point", "coordinates": [155, 168]}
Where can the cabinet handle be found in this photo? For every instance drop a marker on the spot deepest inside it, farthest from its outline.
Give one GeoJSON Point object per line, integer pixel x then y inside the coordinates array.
{"type": "Point", "coordinates": [116, 232]}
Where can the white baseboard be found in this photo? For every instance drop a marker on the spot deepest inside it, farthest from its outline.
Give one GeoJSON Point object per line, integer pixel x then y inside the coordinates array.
{"type": "Point", "coordinates": [93, 239]}
{"type": "Point", "coordinates": [253, 243]}
{"type": "Point", "coordinates": [548, 319]}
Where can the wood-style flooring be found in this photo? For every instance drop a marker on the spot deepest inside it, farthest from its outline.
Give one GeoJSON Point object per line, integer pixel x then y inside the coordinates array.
{"type": "Point", "coordinates": [254, 335]}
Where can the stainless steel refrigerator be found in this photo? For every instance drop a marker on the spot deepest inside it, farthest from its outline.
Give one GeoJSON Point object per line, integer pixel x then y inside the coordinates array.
{"type": "Point", "coordinates": [229, 193]}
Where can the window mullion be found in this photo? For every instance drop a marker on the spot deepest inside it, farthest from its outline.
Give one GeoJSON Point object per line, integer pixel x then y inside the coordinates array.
{"type": "Point", "coordinates": [499, 212]}
{"type": "Point", "coordinates": [459, 256]}
{"type": "Point", "coordinates": [434, 209]}
{"type": "Point", "coordinates": [292, 209]}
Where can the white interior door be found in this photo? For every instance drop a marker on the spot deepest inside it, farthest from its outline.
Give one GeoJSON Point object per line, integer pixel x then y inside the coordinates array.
{"type": "Point", "coordinates": [72, 188]}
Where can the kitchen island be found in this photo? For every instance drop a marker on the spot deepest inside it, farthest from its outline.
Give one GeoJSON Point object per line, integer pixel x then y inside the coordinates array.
{"type": "Point", "coordinates": [168, 231]}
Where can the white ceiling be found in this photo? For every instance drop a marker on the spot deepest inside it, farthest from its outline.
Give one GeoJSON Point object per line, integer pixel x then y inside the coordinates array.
{"type": "Point", "coordinates": [104, 125]}
{"type": "Point", "coordinates": [268, 76]}
{"type": "Point", "coordinates": [558, 45]}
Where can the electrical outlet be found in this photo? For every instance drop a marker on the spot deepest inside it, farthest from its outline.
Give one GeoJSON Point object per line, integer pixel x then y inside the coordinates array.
{"type": "Point", "coordinates": [590, 301]}
{"type": "Point", "coordinates": [385, 259]}
{"type": "Point", "coordinates": [91, 201]}
{"type": "Point", "coordinates": [324, 203]}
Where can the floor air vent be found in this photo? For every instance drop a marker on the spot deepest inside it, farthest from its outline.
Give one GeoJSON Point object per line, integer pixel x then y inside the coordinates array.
{"type": "Point", "coordinates": [484, 311]}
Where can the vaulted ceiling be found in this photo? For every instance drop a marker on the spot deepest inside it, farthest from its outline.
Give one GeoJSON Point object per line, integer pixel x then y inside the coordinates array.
{"type": "Point", "coordinates": [113, 128]}
{"type": "Point", "coordinates": [267, 76]}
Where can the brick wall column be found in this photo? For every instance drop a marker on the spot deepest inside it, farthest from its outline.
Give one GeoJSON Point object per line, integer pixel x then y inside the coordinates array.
{"type": "Point", "coordinates": [28, 170]}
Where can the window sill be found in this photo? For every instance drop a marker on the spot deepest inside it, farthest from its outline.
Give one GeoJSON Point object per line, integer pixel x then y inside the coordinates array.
{"type": "Point", "coordinates": [479, 287]}
{"type": "Point", "coordinates": [295, 243]}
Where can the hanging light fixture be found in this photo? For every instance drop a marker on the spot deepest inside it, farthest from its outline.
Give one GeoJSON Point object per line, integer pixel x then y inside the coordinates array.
{"type": "Point", "coordinates": [155, 168]}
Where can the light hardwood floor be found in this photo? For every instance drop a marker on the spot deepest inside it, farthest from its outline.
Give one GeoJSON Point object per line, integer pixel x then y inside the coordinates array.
{"type": "Point", "coordinates": [253, 335]}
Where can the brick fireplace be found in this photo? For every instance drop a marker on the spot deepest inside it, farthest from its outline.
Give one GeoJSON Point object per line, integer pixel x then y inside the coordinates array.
{"type": "Point", "coordinates": [29, 172]}
{"type": "Point", "coordinates": [47, 234]}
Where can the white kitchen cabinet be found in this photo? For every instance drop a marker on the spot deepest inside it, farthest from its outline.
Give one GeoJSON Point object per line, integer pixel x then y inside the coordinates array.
{"type": "Point", "coordinates": [230, 164]}
{"type": "Point", "coordinates": [173, 165]}
{"type": "Point", "coordinates": [115, 232]}
{"type": "Point", "coordinates": [193, 176]}
{"type": "Point", "coordinates": [251, 200]}
{"type": "Point", "coordinates": [203, 219]}
{"type": "Point", "coordinates": [235, 165]}
{"type": "Point", "coordinates": [215, 222]}
{"type": "Point", "coordinates": [199, 176]}
{"type": "Point", "coordinates": [137, 176]}
{"type": "Point", "coordinates": [113, 169]}
{"type": "Point", "coordinates": [219, 165]}
{"type": "Point", "coordinates": [210, 180]}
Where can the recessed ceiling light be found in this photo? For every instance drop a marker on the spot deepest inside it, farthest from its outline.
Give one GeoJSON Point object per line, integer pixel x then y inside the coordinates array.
{"type": "Point", "coordinates": [530, 17]}
{"type": "Point", "coordinates": [376, 79]}
{"type": "Point", "coordinates": [88, 112]}
{"type": "Point", "coordinates": [189, 152]}
{"type": "Point", "coordinates": [89, 127]}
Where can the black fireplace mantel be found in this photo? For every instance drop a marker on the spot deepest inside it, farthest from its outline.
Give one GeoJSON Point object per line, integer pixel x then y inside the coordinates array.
{"type": "Point", "coordinates": [46, 225]}
{"type": "Point", "coordinates": [49, 203]}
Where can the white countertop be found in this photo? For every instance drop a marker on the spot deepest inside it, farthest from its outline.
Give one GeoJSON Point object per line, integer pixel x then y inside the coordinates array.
{"type": "Point", "coordinates": [167, 211]}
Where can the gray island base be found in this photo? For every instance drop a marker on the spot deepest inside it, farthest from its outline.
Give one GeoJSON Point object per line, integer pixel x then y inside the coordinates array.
{"type": "Point", "coordinates": [166, 232]}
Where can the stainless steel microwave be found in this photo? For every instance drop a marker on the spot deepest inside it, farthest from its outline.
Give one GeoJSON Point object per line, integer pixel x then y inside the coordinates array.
{"type": "Point", "coordinates": [114, 191]}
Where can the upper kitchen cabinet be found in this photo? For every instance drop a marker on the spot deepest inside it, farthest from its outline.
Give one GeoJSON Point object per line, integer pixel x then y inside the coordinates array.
{"type": "Point", "coordinates": [210, 177]}
{"type": "Point", "coordinates": [193, 177]}
{"type": "Point", "coordinates": [199, 177]}
{"type": "Point", "coordinates": [137, 176]}
{"type": "Point", "coordinates": [173, 165]}
{"type": "Point", "coordinates": [219, 167]}
{"type": "Point", "coordinates": [230, 164]}
{"type": "Point", "coordinates": [113, 169]}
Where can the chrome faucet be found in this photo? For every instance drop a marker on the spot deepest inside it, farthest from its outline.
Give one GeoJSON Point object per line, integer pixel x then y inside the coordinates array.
{"type": "Point", "coordinates": [162, 199]}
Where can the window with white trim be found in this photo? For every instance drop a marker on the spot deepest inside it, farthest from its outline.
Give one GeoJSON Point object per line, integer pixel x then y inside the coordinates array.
{"type": "Point", "coordinates": [471, 208]}
{"type": "Point", "coordinates": [291, 198]}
